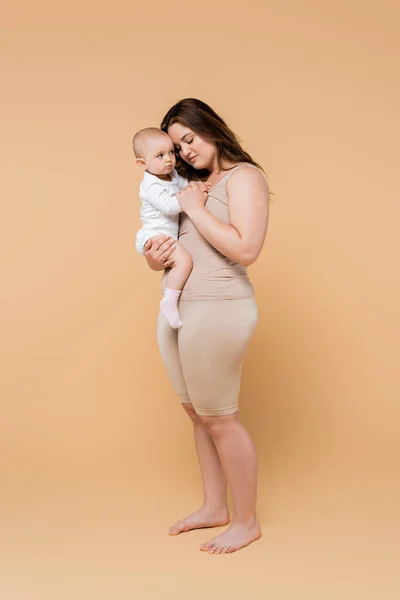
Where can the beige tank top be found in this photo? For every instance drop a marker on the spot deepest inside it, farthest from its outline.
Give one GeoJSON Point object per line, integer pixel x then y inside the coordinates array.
{"type": "Point", "coordinates": [214, 276]}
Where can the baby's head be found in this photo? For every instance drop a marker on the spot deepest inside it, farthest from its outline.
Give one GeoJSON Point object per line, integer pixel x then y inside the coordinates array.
{"type": "Point", "coordinates": [154, 151]}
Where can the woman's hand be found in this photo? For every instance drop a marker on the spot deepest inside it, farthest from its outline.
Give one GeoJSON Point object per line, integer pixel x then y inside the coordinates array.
{"type": "Point", "coordinates": [158, 250]}
{"type": "Point", "coordinates": [193, 196]}
{"type": "Point", "coordinates": [242, 238]}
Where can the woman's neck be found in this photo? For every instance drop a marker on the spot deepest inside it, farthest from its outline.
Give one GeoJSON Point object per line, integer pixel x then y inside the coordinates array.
{"type": "Point", "coordinates": [215, 169]}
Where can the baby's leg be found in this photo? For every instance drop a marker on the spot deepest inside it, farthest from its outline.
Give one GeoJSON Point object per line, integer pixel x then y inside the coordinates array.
{"type": "Point", "coordinates": [181, 270]}
{"type": "Point", "coordinates": [175, 281]}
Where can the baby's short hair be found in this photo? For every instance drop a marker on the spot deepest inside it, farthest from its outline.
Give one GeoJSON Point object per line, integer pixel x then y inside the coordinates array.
{"type": "Point", "coordinates": [139, 139]}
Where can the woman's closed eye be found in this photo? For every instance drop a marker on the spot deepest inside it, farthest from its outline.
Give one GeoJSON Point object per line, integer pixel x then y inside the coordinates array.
{"type": "Point", "coordinates": [178, 149]}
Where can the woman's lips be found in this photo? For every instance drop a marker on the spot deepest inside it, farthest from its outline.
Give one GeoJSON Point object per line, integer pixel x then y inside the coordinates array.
{"type": "Point", "coordinates": [193, 158]}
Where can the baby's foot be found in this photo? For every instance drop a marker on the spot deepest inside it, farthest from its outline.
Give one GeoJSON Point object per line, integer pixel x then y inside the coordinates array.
{"type": "Point", "coordinates": [169, 308]}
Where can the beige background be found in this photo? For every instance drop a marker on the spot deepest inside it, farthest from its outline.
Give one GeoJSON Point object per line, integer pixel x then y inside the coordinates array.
{"type": "Point", "coordinates": [96, 454]}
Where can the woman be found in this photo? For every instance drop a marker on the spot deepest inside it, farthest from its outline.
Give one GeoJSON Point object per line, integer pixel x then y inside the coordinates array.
{"type": "Point", "coordinates": [224, 231]}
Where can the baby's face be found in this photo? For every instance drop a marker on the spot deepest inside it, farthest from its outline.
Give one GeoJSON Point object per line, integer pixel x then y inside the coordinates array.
{"type": "Point", "coordinates": [159, 155]}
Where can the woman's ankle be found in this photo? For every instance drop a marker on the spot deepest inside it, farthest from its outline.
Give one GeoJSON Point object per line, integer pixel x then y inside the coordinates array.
{"type": "Point", "coordinates": [248, 521]}
{"type": "Point", "coordinates": [218, 507]}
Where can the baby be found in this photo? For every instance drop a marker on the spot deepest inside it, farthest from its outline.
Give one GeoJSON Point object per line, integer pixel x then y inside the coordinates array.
{"type": "Point", "coordinates": [155, 153]}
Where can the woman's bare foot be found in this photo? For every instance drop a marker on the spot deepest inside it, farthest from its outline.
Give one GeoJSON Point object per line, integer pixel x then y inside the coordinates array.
{"type": "Point", "coordinates": [204, 517]}
{"type": "Point", "coordinates": [237, 536]}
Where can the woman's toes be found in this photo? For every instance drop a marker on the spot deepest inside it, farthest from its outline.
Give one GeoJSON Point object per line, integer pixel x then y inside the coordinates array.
{"type": "Point", "coordinates": [206, 547]}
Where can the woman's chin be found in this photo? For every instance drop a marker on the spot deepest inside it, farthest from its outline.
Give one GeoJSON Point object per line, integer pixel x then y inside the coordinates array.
{"type": "Point", "coordinates": [197, 164]}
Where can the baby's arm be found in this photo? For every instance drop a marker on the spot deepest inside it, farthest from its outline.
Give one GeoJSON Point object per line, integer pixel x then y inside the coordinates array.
{"type": "Point", "coordinates": [166, 203]}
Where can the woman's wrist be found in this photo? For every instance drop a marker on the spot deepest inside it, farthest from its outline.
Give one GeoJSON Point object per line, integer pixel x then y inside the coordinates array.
{"type": "Point", "coordinates": [195, 212]}
{"type": "Point", "coordinates": [156, 267]}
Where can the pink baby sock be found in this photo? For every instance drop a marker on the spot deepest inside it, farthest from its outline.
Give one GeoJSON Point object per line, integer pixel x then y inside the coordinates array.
{"type": "Point", "coordinates": [169, 306]}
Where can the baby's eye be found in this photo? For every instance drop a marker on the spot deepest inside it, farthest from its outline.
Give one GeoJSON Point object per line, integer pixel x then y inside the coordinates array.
{"type": "Point", "coordinates": [172, 151]}
{"type": "Point", "coordinates": [158, 155]}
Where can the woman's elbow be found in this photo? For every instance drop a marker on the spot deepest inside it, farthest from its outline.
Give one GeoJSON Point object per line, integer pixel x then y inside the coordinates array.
{"type": "Point", "coordinates": [247, 259]}
{"type": "Point", "coordinates": [249, 252]}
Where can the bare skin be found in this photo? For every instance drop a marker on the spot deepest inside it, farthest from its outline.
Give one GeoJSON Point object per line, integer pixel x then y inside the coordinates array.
{"type": "Point", "coordinates": [238, 460]}
{"type": "Point", "coordinates": [236, 537]}
{"type": "Point", "coordinates": [201, 519]}
{"type": "Point", "coordinates": [224, 446]}
{"type": "Point", "coordinates": [214, 512]}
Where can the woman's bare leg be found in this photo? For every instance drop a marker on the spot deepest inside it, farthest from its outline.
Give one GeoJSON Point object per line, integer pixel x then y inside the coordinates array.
{"type": "Point", "coordinates": [239, 462]}
{"type": "Point", "coordinates": [214, 511]}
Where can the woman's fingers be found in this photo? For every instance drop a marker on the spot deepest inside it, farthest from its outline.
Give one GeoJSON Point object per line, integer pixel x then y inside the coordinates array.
{"type": "Point", "coordinates": [163, 246]}
{"type": "Point", "coordinates": [160, 252]}
{"type": "Point", "coordinates": [203, 187]}
{"type": "Point", "coordinates": [167, 253]}
{"type": "Point", "coordinates": [156, 241]}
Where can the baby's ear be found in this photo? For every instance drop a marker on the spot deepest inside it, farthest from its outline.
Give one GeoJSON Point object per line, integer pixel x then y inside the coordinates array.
{"type": "Point", "coordinates": [140, 162]}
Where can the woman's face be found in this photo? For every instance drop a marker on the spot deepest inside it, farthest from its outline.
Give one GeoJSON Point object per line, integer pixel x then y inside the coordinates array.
{"type": "Point", "coordinates": [191, 147]}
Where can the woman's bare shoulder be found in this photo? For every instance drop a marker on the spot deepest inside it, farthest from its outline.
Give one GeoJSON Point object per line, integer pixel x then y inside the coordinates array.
{"type": "Point", "coordinates": [247, 174]}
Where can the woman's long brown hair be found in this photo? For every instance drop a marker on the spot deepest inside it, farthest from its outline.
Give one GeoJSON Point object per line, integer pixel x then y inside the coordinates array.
{"type": "Point", "coordinates": [202, 120]}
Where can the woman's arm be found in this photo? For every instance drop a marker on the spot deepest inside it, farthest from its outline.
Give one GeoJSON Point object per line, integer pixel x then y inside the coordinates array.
{"type": "Point", "coordinates": [242, 239]}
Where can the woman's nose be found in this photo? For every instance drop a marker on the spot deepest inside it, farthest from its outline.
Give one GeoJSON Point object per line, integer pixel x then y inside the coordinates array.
{"type": "Point", "coordinates": [185, 151]}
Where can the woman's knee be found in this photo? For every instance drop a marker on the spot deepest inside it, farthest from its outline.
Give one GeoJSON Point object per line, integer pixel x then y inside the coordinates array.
{"type": "Point", "coordinates": [191, 413]}
{"type": "Point", "coordinates": [219, 425]}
